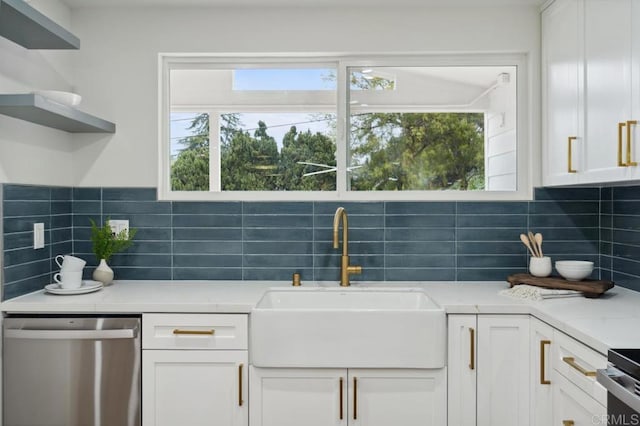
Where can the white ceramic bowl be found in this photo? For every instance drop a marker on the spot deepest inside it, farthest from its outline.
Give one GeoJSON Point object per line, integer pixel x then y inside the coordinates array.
{"type": "Point", "coordinates": [64, 98]}
{"type": "Point", "coordinates": [574, 270]}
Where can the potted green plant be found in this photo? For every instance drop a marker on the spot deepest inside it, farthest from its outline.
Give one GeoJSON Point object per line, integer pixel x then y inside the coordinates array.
{"type": "Point", "coordinates": [105, 244]}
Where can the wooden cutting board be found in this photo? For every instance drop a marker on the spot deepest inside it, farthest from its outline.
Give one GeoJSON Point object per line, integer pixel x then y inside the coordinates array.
{"type": "Point", "coordinates": [590, 288]}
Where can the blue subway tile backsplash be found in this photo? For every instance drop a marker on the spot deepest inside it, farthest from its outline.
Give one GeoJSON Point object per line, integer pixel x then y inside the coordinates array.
{"type": "Point", "coordinates": [396, 241]}
{"type": "Point", "coordinates": [26, 269]}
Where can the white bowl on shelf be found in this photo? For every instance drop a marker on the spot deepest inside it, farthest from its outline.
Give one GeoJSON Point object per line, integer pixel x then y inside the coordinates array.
{"type": "Point", "coordinates": [64, 98]}
{"type": "Point", "coordinates": [574, 270]}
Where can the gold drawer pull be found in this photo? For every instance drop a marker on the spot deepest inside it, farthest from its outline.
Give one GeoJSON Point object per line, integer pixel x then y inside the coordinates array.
{"type": "Point", "coordinates": [568, 423]}
{"type": "Point", "coordinates": [570, 168]}
{"type": "Point", "coordinates": [620, 162]}
{"type": "Point", "coordinates": [341, 397]}
{"type": "Point", "coordinates": [543, 380]}
{"type": "Point", "coordinates": [629, 139]}
{"type": "Point", "coordinates": [200, 332]}
{"type": "Point", "coordinates": [572, 362]}
{"type": "Point", "coordinates": [355, 398]}
{"type": "Point", "coordinates": [472, 349]}
{"type": "Point", "coordinates": [240, 401]}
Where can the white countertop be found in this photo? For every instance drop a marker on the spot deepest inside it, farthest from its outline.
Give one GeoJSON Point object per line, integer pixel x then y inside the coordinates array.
{"type": "Point", "coordinates": [608, 322]}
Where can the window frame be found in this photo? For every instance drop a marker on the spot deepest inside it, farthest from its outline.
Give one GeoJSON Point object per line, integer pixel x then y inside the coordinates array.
{"type": "Point", "coordinates": [524, 117]}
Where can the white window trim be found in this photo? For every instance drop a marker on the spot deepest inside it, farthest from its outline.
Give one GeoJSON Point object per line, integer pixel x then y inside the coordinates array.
{"type": "Point", "coordinates": [525, 119]}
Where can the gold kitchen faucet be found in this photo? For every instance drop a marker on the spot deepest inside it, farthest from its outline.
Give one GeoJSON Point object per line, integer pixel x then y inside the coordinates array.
{"type": "Point", "coordinates": [345, 268]}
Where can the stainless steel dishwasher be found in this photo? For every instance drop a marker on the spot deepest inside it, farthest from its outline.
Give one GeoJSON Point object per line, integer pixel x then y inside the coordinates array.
{"type": "Point", "coordinates": [82, 371]}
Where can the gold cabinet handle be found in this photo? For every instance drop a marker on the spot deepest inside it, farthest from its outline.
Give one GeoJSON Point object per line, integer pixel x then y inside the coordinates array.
{"type": "Point", "coordinates": [570, 168]}
{"type": "Point", "coordinates": [572, 362]}
{"type": "Point", "coordinates": [472, 349]}
{"type": "Point", "coordinates": [355, 398]}
{"type": "Point", "coordinates": [543, 380]}
{"type": "Point", "coordinates": [568, 423]}
{"type": "Point", "coordinates": [341, 396]}
{"type": "Point", "coordinates": [620, 162]}
{"type": "Point", "coordinates": [629, 141]}
{"type": "Point", "coordinates": [200, 332]}
{"type": "Point", "coordinates": [240, 401]}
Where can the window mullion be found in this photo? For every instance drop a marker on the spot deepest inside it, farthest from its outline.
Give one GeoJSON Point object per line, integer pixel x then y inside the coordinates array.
{"type": "Point", "coordinates": [215, 153]}
{"type": "Point", "coordinates": [342, 150]}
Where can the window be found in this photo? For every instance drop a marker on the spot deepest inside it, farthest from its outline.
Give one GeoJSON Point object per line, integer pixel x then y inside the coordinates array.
{"type": "Point", "coordinates": [341, 128]}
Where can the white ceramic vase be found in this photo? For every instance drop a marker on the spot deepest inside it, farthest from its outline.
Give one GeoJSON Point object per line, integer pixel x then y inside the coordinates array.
{"type": "Point", "coordinates": [103, 273]}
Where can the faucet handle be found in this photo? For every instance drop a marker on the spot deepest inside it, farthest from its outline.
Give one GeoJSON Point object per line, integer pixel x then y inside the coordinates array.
{"type": "Point", "coordinates": [354, 269]}
{"type": "Point", "coordinates": [295, 281]}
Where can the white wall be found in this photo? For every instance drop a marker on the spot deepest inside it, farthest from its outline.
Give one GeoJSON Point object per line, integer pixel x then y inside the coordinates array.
{"type": "Point", "coordinates": [116, 69]}
{"type": "Point", "coordinates": [30, 153]}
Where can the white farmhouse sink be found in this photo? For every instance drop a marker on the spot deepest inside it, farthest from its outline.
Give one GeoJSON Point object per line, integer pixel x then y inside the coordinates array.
{"type": "Point", "coordinates": [348, 328]}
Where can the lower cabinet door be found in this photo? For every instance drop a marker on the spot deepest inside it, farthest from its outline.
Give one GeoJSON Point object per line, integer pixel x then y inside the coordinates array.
{"type": "Point", "coordinates": [298, 397]}
{"type": "Point", "coordinates": [503, 370]}
{"type": "Point", "coordinates": [397, 397]}
{"type": "Point", "coordinates": [194, 388]}
{"type": "Point", "coordinates": [572, 406]}
{"type": "Point", "coordinates": [541, 384]}
{"type": "Point", "coordinates": [462, 369]}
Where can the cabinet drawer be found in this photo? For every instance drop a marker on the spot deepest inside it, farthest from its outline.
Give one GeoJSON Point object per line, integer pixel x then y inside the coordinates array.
{"type": "Point", "coordinates": [194, 331]}
{"type": "Point", "coordinates": [573, 406]}
{"type": "Point", "coordinates": [578, 363]}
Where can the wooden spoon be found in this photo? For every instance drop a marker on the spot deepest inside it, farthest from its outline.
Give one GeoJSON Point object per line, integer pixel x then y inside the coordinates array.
{"type": "Point", "coordinates": [539, 243]}
{"type": "Point", "coordinates": [526, 242]}
{"type": "Point", "coordinates": [532, 239]}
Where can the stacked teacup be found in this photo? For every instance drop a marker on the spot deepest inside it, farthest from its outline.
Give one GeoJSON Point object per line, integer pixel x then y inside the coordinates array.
{"type": "Point", "coordinates": [70, 275]}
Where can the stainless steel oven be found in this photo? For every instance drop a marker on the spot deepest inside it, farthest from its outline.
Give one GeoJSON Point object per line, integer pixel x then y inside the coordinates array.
{"type": "Point", "coordinates": [622, 380]}
{"type": "Point", "coordinates": [80, 371]}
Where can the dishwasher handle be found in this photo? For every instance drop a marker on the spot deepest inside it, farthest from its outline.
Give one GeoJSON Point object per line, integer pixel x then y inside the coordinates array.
{"type": "Point", "coordinates": [125, 333]}
{"type": "Point", "coordinates": [620, 385]}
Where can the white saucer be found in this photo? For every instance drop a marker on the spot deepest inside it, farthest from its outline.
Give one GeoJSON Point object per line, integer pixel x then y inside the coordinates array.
{"type": "Point", "coordinates": [87, 286]}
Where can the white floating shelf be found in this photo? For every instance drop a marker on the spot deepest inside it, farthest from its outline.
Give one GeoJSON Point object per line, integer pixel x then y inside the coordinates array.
{"type": "Point", "coordinates": [38, 109]}
{"type": "Point", "coordinates": [24, 25]}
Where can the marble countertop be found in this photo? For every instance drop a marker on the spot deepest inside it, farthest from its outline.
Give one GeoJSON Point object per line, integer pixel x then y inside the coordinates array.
{"type": "Point", "coordinates": [608, 322]}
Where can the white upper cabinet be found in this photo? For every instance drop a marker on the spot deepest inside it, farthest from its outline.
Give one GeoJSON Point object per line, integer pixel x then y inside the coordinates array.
{"type": "Point", "coordinates": [591, 91]}
{"type": "Point", "coordinates": [608, 87]}
{"type": "Point", "coordinates": [562, 96]}
{"type": "Point", "coordinates": [631, 151]}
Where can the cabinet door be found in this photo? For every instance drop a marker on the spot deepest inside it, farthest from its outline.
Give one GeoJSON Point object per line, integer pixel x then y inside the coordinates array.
{"type": "Point", "coordinates": [562, 119]}
{"type": "Point", "coordinates": [461, 370]}
{"type": "Point", "coordinates": [541, 394]}
{"type": "Point", "coordinates": [608, 88]}
{"type": "Point", "coordinates": [503, 370]}
{"type": "Point", "coordinates": [397, 397]}
{"type": "Point", "coordinates": [194, 387]}
{"type": "Point", "coordinates": [295, 397]}
{"type": "Point", "coordinates": [572, 406]}
{"type": "Point", "coordinates": [634, 171]}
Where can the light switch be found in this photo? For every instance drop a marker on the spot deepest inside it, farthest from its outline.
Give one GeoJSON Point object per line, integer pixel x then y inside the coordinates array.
{"type": "Point", "coordinates": [38, 235]}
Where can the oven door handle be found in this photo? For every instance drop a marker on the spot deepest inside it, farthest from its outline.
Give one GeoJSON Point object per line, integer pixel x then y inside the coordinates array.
{"type": "Point", "coordinates": [624, 394]}
{"type": "Point", "coordinates": [124, 333]}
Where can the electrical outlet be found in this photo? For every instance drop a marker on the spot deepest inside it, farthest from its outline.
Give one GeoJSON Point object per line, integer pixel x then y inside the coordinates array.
{"type": "Point", "coordinates": [117, 226]}
{"type": "Point", "coordinates": [38, 236]}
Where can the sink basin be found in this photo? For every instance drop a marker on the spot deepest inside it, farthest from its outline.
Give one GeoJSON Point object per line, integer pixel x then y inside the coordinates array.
{"type": "Point", "coordinates": [348, 328]}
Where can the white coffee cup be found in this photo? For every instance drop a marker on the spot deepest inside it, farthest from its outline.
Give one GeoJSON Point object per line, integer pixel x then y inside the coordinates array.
{"type": "Point", "coordinates": [68, 279]}
{"type": "Point", "coordinates": [70, 263]}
